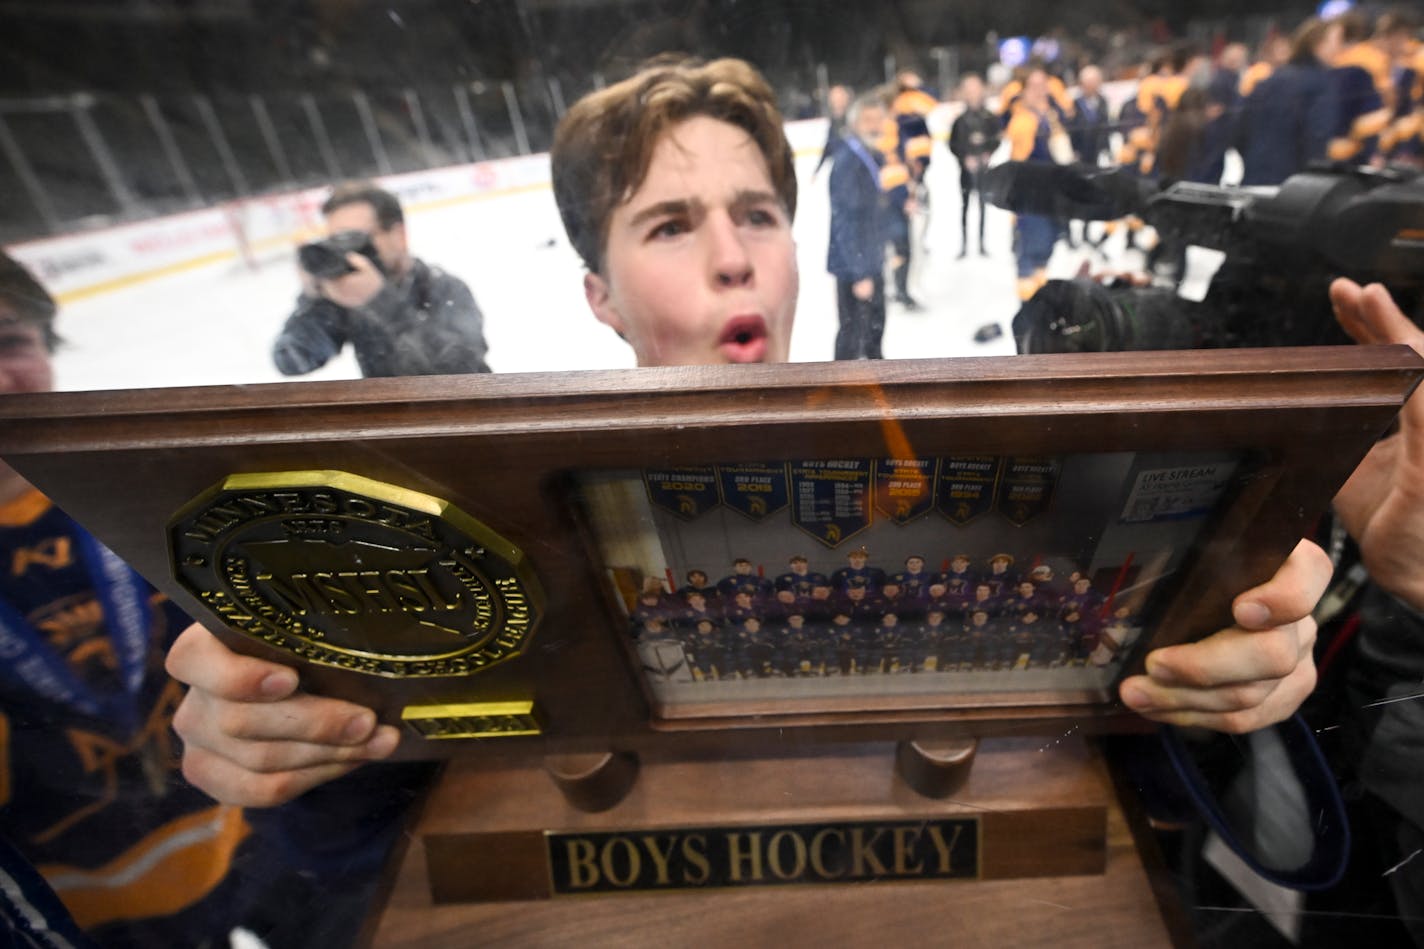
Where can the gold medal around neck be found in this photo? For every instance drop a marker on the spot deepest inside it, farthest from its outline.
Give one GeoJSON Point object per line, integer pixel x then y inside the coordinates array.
{"type": "Point", "coordinates": [343, 571]}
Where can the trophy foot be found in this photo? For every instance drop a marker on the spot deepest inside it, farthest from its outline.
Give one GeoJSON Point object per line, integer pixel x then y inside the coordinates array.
{"type": "Point", "coordinates": [593, 782]}
{"type": "Point", "coordinates": [935, 769]}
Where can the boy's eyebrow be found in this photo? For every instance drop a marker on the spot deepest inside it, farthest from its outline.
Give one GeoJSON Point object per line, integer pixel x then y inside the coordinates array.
{"type": "Point", "coordinates": [664, 208]}
{"type": "Point", "coordinates": [748, 197]}
{"type": "Point", "coordinates": [743, 199]}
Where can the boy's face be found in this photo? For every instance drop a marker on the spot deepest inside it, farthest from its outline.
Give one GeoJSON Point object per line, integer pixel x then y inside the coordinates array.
{"type": "Point", "coordinates": [24, 360]}
{"type": "Point", "coordinates": [700, 266]}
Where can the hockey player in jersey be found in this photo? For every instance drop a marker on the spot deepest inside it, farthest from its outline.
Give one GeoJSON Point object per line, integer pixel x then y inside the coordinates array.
{"type": "Point", "coordinates": [913, 585]}
{"type": "Point", "coordinates": [1034, 126]}
{"type": "Point", "coordinates": [651, 606]}
{"type": "Point", "coordinates": [932, 642]}
{"type": "Point", "coordinates": [743, 579]}
{"type": "Point", "coordinates": [858, 573]}
{"type": "Point", "coordinates": [1002, 577]}
{"type": "Point", "coordinates": [1363, 86]}
{"type": "Point", "coordinates": [1023, 599]}
{"type": "Point", "coordinates": [698, 582]}
{"type": "Point", "coordinates": [800, 648]}
{"type": "Point", "coordinates": [402, 316]}
{"type": "Point", "coordinates": [1037, 640]}
{"type": "Point", "coordinates": [706, 649]}
{"type": "Point", "coordinates": [89, 762]}
{"type": "Point", "coordinates": [1084, 599]}
{"type": "Point", "coordinates": [799, 578]}
{"type": "Point", "coordinates": [903, 177]}
{"type": "Point", "coordinates": [961, 578]}
{"type": "Point", "coordinates": [696, 610]}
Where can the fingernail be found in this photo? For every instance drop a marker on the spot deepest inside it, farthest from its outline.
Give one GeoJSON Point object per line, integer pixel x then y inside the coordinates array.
{"type": "Point", "coordinates": [359, 728]}
{"type": "Point", "coordinates": [383, 742]}
{"type": "Point", "coordinates": [1253, 615]}
{"type": "Point", "coordinates": [1160, 672]}
{"type": "Point", "coordinates": [276, 684]}
{"type": "Point", "coordinates": [1135, 697]}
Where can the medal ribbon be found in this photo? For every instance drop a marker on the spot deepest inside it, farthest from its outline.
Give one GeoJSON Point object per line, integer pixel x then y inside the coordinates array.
{"type": "Point", "coordinates": [27, 660]}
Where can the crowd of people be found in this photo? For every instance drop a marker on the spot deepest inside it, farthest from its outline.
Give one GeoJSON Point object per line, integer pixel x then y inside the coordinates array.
{"type": "Point", "coordinates": [1347, 89]}
{"type": "Point", "coordinates": [860, 619]}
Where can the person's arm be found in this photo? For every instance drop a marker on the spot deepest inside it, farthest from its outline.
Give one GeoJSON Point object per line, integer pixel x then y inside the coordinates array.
{"type": "Point", "coordinates": [1249, 675]}
{"type": "Point", "coordinates": [251, 737]}
{"type": "Point", "coordinates": [311, 337]}
{"type": "Point", "coordinates": [957, 145]}
{"type": "Point", "coordinates": [833, 141]}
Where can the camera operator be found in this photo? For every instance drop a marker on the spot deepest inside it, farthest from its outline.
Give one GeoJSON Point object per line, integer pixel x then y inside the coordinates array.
{"type": "Point", "coordinates": [361, 286]}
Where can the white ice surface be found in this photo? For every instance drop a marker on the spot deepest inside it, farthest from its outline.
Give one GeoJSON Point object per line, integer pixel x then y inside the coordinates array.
{"type": "Point", "coordinates": [215, 325]}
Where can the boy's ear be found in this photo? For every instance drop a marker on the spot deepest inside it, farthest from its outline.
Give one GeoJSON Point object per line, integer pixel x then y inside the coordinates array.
{"type": "Point", "coordinates": [600, 301]}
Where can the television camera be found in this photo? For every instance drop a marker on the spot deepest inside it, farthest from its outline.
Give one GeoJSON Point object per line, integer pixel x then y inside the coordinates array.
{"type": "Point", "coordinates": [1283, 246]}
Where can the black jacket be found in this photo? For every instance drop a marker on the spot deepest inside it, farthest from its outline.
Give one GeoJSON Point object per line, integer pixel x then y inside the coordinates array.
{"type": "Point", "coordinates": [427, 323]}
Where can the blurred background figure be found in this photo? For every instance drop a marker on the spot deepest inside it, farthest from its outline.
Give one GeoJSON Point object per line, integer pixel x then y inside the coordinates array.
{"type": "Point", "coordinates": [1035, 132]}
{"type": "Point", "coordinates": [973, 139]}
{"type": "Point", "coordinates": [838, 99]}
{"type": "Point", "coordinates": [361, 286]}
{"type": "Point", "coordinates": [856, 255]}
{"type": "Point", "coordinates": [1286, 120]}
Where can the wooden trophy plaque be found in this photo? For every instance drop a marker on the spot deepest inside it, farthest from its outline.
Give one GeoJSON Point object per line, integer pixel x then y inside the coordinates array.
{"type": "Point", "coordinates": [731, 574]}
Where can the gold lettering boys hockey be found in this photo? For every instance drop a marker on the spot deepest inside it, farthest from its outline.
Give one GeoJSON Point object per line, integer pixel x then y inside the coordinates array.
{"type": "Point", "coordinates": [344, 571]}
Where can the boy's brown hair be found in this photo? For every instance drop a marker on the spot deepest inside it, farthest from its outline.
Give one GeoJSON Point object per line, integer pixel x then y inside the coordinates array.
{"type": "Point", "coordinates": [604, 144]}
{"type": "Point", "coordinates": [22, 296]}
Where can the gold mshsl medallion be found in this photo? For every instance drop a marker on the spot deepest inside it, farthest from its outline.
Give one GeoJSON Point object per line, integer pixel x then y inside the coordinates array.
{"type": "Point", "coordinates": [344, 571]}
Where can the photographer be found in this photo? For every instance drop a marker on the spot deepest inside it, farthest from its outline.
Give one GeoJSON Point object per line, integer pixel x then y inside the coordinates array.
{"type": "Point", "coordinates": [361, 285]}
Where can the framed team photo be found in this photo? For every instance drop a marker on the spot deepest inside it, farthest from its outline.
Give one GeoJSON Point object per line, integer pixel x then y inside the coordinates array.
{"type": "Point", "coordinates": [864, 550]}
{"type": "Point", "coordinates": [970, 580]}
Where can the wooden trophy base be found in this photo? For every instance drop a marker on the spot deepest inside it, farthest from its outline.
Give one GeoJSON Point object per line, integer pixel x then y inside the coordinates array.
{"type": "Point", "coordinates": [1031, 848]}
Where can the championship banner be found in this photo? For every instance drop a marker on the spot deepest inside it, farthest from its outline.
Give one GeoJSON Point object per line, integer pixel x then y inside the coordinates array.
{"type": "Point", "coordinates": [904, 488]}
{"type": "Point", "coordinates": [754, 491]}
{"type": "Point", "coordinates": [966, 486]}
{"type": "Point", "coordinates": [686, 492]}
{"type": "Point", "coordinates": [1027, 489]}
{"type": "Point", "coordinates": [831, 499]}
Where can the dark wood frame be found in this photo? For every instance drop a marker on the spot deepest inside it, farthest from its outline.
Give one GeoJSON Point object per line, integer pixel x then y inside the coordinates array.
{"type": "Point", "coordinates": [498, 448]}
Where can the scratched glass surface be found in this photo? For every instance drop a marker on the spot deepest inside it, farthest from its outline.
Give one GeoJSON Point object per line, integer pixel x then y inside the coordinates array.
{"type": "Point", "coordinates": [163, 160]}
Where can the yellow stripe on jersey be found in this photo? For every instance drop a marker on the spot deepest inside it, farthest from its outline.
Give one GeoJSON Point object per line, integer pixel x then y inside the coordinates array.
{"type": "Point", "coordinates": [1011, 91]}
{"type": "Point", "coordinates": [893, 176]}
{"type": "Point", "coordinates": [914, 102]}
{"type": "Point", "coordinates": [921, 146]}
{"type": "Point", "coordinates": [889, 141]}
{"type": "Point", "coordinates": [1256, 74]}
{"type": "Point", "coordinates": [1372, 60]}
{"type": "Point", "coordinates": [169, 870]}
{"type": "Point", "coordinates": [1021, 133]}
{"type": "Point", "coordinates": [24, 510]}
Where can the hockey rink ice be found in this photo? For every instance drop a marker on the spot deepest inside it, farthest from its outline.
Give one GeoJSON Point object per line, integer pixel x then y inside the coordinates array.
{"type": "Point", "coordinates": [215, 324]}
